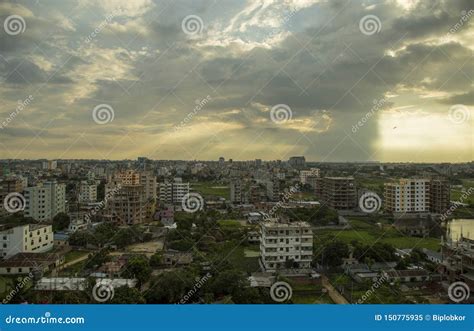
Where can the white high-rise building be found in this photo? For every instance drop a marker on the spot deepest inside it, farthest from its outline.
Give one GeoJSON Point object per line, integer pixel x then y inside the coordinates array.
{"type": "Point", "coordinates": [29, 238]}
{"type": "Point", "coordinates": [45, 200]}
{"type": "Point", "coordinates": [407, 196]}
{"type": "Point", "coordinates": [283, 244]}
{"type": "Point", "coordinates": [87, 192]}
{"type": "Point", "coordinates": [173, 192]}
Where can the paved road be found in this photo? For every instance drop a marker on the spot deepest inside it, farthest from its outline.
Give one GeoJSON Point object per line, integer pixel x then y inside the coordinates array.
{"type": "Point", "coordinates": [333, 293]}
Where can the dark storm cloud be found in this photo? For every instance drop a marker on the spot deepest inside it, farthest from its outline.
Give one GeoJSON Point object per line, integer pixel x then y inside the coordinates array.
{"type": "Point", "coordinates": [247, 58]}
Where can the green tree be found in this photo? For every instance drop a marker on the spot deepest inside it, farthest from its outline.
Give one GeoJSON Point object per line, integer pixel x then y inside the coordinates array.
{"type": "Point", "coordinates": [138, 267]}
{"type": "Point", "coordinates": [60, 222]}
{"type": "Point", "coordinates": [127, 295]}
{"type": "Point", "coordinates": [334, 252]}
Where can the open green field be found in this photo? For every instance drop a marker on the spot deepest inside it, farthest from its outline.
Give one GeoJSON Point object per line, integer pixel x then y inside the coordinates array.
{"type": "Point", "coordinates": [370, 234]}
{"type": "Point", "coordinates": [72, 255]}
{"type": "Point", "coordinates": [241, 257]}
{"type": "Point", "coordinates": [208, 189]}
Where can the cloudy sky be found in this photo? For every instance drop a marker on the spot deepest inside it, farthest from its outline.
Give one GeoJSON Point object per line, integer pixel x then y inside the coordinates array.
{"type": "Point", "coordinates": [336, 80]}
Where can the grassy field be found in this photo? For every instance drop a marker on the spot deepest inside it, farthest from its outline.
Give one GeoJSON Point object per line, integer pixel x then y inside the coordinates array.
{"type": "Point", "coordinates": [241, 257]}
{"type": "Point", "coordinates": [72, 255]}
{"type": "Point", "coordinates": [369, 234]}
{"type": "Point", "coordinates": [208, 189]}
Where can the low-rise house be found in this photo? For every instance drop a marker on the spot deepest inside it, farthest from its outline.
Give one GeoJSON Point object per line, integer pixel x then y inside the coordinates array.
{"type": "Point", "coordinates": [433, 256]}
{"type": "Point", "coordinates": [172, 257]}
{"type": "Point", "coordinates": [61, 240]}
{"type": "Point", "coordinates": [405, 276]}
{"type": "Point", "coordinates": [413, 227]}
{"type": "Point", "coordinates": [25, 263]}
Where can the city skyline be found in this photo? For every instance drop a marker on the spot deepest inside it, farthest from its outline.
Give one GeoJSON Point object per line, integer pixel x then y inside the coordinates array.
{"type": "Point", "coordinates": [334, 81]}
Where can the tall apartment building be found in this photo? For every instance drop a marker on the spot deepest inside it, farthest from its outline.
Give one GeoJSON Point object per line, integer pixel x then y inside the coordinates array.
{"type": "Point", "coordinates": [440, 196]}
{"type": "Point", "coordinates": [273, 189]}
{"type": "Point", "coordinates": [305, 175]}
{"type": "Point", "coordinates": [239, 192]}
{"type": "Point", "coordinates": [127, 205]}
{"type": "Point", "coordinates": [407, 196]}
{"type": "Point", "coordinates": [297, 162]}
{"type": "Point", "coordinates": [173, 192]}
{"type": "Point", "coordinates": [30, 238]}
{"type": "Point", "coordinates": [286, 245]}
{"type": "Point", "coordinates": [128, 177]}
{"type": "Point", "coordinates": [132, 196]}
{"type": "Point", "coordinates": [87, 192]}
{"type": "Point", "coordinates": [49, 165]}
{"type": "Point", "coordinates": [45, 200]}
{"type": "Point", "coordinates": [339, 192]}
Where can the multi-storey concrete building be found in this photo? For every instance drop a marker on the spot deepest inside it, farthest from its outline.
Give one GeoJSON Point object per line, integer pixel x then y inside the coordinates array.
{"type": "Point", "coordinates": [236, 194]}
{"type": "Point", "coordinates": [458, 260]}
{"type": "Point", "coordinates": [45, 200]}
{"type": "Point", "coordinates": [173, 192]}
{"type": "Point", "coordinates": [440, 196]}
{"type": "Point", "coordinates": [87, 191]}
{"type": "Point", "coordinates": [273, 189]}
{"type": "Point", "coordinates": [407, 196]}
{"type": "Point", "coordinates": [339, 192]}
{"type": "Point", "coordinates": [297, 162]}
{"type": "Point", "coordinates": [286, 246]}
{"type": "Point", "coordinates": [127, 205]}
{"type": "Point", "coordinates": [308, 174]}
{"type": "Point", "coordinates": [30, 238]}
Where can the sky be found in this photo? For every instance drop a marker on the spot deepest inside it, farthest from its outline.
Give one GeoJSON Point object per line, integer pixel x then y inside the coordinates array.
{"type": "Point", "coordinates": [335, 80]}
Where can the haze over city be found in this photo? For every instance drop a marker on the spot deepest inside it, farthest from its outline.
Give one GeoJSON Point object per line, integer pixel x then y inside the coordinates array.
{"type": "Point", "coordinates": [331, 80]}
